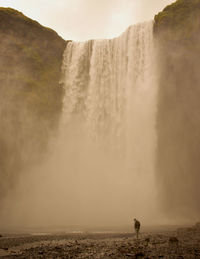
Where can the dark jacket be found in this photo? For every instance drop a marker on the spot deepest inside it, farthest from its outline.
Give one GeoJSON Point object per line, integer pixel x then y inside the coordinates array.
{"type": "Point", "coordinates": [137, 224]}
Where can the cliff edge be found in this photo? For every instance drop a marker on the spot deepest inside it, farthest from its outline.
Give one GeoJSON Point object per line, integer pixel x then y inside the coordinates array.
{"type": "Point", "coordinates": [30, 95]}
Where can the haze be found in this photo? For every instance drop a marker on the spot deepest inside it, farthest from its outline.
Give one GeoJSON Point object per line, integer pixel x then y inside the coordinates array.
{"type": "Point", "coordinates": [112, 180]}
{"type": "Point", "coordinates": [88, 19]}
{"type": "Point", "coordinates": [101, 168]}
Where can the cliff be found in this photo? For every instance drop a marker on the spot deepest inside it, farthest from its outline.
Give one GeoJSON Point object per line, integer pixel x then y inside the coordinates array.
{"type": "Point", "coordinates": [177, 30]}
{"type": "Point", "coordinates": [30, 95]}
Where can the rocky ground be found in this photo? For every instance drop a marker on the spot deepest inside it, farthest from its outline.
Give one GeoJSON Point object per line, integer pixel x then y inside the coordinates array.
{"type": "Point", "coordinates": [183, 243]}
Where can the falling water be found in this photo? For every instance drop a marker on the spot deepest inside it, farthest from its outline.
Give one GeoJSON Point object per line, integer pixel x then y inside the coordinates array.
{"type": "Point", "coordinates": [109, 120]}
{"type": "Point", "coordinates": [101, 170]}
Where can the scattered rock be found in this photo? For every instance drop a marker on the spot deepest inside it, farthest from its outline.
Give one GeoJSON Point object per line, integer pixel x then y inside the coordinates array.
{"type": "Point", "coordinates": [101, 247]}
{"type": "Point", "coordinates": [139, 255]}
{"type": "Point", "coordinates": [147, 240]}
{"type": "Point", "coordinates": [197, 226]}
{"type": "Point", "coordinates": [173, 240]}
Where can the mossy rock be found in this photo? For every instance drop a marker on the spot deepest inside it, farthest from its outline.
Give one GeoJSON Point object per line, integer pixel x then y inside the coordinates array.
{"type": "Point", "coordinates": [179, 21]}
{"type": "Point", "coordinates": [30, 93]}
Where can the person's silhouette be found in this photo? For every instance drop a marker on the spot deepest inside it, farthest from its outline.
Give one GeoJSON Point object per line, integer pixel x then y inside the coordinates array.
{"type": "Point", "coordinates": [137, 227]}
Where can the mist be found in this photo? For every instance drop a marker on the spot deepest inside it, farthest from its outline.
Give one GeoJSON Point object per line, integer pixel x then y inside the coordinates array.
{"type": "Point", "coordinates": [100, 169]}
{"type": "Point", "coordinates": [117, 137]}
{"type": "Point", "coordinates": [30, 99]}
{"type": "Point", "coordinates": [178, 129]}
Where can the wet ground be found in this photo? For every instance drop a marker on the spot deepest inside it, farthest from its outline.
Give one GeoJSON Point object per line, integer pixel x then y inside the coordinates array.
{"type": "Point", "coordinates": [184, 243]}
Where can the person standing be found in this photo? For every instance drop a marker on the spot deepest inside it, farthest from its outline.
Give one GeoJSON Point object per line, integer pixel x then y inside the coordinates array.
{"type": "Point", "coordinates": [137, 227]}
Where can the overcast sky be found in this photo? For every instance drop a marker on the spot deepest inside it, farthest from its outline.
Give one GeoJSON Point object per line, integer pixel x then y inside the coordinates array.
{"type": "Point", "coordinates": [86, 19]}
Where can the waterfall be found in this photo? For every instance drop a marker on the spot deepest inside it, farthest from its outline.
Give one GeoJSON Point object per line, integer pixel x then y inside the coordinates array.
{"type": "Point", "coordinates": [109, 123]}
{"type": "Point", "coordinates": [103, 77]}
{"type": "Point", "coordinates": [100, 170]}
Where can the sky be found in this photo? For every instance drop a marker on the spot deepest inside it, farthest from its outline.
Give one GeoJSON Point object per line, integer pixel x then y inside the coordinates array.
{"type": "Point", "coordinates": [81, 20]}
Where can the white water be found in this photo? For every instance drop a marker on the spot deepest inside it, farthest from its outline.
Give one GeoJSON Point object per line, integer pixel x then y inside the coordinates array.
{"type": "Point", "coordinates": [109, 120]}
{"type": "Point", "coordinates": [102, 169]}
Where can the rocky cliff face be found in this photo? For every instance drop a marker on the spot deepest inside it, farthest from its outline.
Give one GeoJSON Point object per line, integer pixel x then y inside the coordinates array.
{"type": "Point", "coordinates": [30, 95]}
{"type": "Point", "coordinates": [177, 29]}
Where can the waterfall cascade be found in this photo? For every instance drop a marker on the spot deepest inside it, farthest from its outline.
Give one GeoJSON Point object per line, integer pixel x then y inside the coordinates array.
{"type": "Point", "coordinates": [109, 123]}
{"type": "Point", "coordinates": [101, 168]}
{"type": "Point", "coordinates": [103, 77]}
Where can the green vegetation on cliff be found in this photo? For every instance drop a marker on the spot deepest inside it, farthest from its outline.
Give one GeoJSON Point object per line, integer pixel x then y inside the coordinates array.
{"type": "Point", "coordinates": [179, 21]}
{"type": "Point", "coordinates": [31, 57]}
{"type": "Point", "coordinates": [30, 95]}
